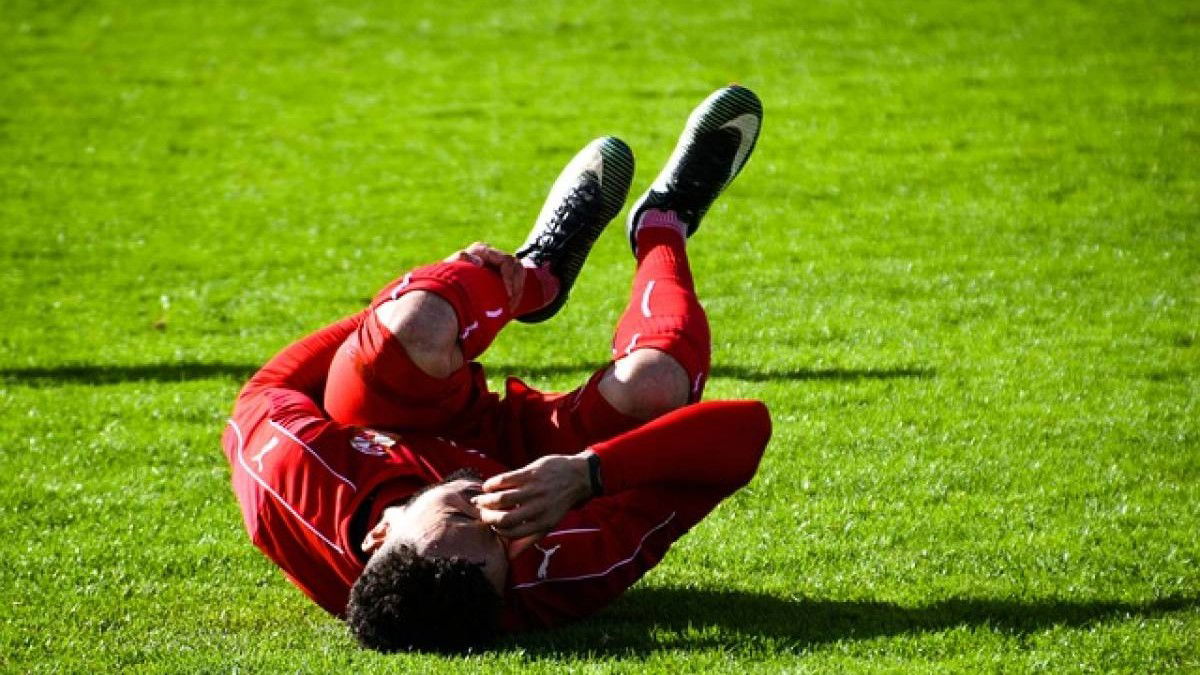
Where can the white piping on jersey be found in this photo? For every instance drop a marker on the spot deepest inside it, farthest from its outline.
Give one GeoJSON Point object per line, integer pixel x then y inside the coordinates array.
{"type": "Point", "coordinates": [283, 502]}
{"type": "Point", "coordinates": [304, 445]}
{"type": "Point", "coordinates": [530, 584]}
{"type": "Point", "coordinates": [402, 285]}
{"type": "Point", "coordinates": [646, 299]}
{"type": "Point", "coordinates": [577, 530]}
{"type": "Point", "coordinates": [578, 398]}
{"type": "Point", "coordinates": [470, 451]}
{"type": "Point", "coordinates": [632, 342]}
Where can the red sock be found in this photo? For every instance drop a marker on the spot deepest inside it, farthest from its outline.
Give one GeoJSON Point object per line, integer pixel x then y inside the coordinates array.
{"type": "Point", "coordinates": [663, 311]}
{"type": "Point", "coordinates": [662, 248]}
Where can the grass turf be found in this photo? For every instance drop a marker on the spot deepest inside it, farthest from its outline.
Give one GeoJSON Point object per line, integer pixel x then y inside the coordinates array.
{"type": "Point", "coordinates": [962, 269]}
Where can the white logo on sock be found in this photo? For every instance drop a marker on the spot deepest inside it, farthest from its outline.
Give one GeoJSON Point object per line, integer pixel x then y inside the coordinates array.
{"type": "Point", "coordinates": [646, 299]}
{"type": "Point", "coordinates": [747, 126]}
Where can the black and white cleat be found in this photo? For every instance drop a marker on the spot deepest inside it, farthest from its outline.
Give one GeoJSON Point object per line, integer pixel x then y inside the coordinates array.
{"type": "Point", "coordinates": [589, 193]}
{"type": "Point", "coordinates": [718, 139]}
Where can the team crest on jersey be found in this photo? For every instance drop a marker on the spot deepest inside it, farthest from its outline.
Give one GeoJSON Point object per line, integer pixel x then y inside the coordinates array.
{"type": "Point", "coordinates": [372, 442]}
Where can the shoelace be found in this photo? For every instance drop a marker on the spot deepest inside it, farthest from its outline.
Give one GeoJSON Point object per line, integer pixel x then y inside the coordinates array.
{"type": "Point", "coordinates": [556, 231]}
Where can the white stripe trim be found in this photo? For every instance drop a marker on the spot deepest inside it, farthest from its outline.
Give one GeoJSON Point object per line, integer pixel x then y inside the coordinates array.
{"type": "Point", "coordinates": [263, 484]}
{"type": "Point", "coordinates": [646, 299]}
{"type": "Point", "coordinates": [578, 398]}
{"type": "Point", "coordinates": [577, 530]}
{"type": "Point", "coordinates": [530, 584]}
{"type": "Point", "coordinates": [279, 427]}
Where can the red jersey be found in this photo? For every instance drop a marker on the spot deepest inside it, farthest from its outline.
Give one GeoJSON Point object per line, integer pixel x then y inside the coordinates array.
{"type": "Point", "coordinates": [305, 482]}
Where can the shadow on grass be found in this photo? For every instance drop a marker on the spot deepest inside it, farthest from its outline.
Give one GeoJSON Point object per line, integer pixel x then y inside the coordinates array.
{"type": "Point", "coordinates": [657, 619]}
{"type": "Point", "coordinates": [114, 374]}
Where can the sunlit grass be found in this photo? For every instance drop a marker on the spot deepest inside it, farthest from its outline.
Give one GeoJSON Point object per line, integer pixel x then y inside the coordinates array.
{"type": "Point", "coordinates": [963, 270]}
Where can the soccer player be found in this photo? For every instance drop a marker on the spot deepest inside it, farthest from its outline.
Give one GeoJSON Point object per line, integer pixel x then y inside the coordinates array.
{"type": "Point", "coordinates": [375, 468]}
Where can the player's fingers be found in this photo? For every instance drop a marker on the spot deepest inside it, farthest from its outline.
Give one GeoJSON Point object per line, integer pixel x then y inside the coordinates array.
{"type": "Point", "coordinates": [503, 521]}
{"type": "Point", "coordinates": [506, 276]}
{"type": "Point", "coordinates": [499, 501]}
{"type": "Point", "coordinates": [511, 271]}
{"type": "Point", "coordinates": [465, 256]}
{"type": "Point", "coordinates": [514, 279]}
{"type": "Point", "coordinates": [490, 517]}
{"type": "Point", "coordinates": [505, 481]}
{"type": "Point", "coordinates": [524, 529]}
{"type": "Point", "coordinates": [489, 254]}
{"type": "Point", "coordinates": [501, 261]}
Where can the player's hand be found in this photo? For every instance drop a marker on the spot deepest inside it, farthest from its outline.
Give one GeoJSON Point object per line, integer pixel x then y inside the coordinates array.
{"type": "Point", "coordinates": [510, 269]}
{"type": "Point", "coordinates": [532, 500]}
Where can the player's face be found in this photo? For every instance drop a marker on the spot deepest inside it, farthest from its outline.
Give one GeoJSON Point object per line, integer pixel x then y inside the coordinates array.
{"type": "Point", "coordinates": [442, 521]}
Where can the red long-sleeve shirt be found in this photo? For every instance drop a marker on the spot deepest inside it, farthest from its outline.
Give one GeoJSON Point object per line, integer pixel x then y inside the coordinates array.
{"type": "Point", "coordinates": [301, 480]}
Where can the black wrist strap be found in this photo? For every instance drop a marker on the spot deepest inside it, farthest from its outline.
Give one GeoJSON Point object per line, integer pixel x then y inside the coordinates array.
{"type": "Point", "coordinates": [594, 474]}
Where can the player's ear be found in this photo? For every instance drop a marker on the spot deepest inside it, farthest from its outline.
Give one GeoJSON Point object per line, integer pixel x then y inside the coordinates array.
{"type": "Point", "coordinates": [517, 546]}
{"type": "Point", "coordinates": [376, 536]}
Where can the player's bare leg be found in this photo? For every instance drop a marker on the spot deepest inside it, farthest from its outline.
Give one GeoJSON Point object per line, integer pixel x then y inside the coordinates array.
{"type": "Point", "coordinates": [406, 367]}
{"type": "Point", "coordinates": [588, 193]}
{"type": "Point", "coordinates": [645, 384]}
{"type": "Point", "coordinates": [427, 327]}
{"type": "Point", "coordinates": [662, 342]}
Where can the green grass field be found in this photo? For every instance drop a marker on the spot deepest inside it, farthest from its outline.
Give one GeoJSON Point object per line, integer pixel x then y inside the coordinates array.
{"type": "Point", "coordinates": [963, 269]}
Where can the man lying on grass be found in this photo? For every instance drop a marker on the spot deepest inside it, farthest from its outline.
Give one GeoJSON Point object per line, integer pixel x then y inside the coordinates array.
{"type": "Point", "coordinates": [373, 465]}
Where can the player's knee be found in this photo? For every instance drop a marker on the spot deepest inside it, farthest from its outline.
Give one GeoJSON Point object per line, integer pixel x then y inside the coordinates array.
{"type": "Point", "coordinates": [646, 384]}
{"type": "Point", "coordinates": [427, 327]}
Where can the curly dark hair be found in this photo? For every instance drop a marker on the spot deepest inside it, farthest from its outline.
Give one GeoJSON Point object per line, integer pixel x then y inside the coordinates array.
{"type": "Point", "coordinates": [405, 601]}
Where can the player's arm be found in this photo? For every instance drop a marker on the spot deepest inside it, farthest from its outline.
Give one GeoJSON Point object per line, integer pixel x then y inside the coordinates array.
{"type": "Point", "coordinates": [713, 446]}
{"type": "Point", "coordinates": [303, 365]}
{"type": "Point", "coordinates": [293, 382]}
